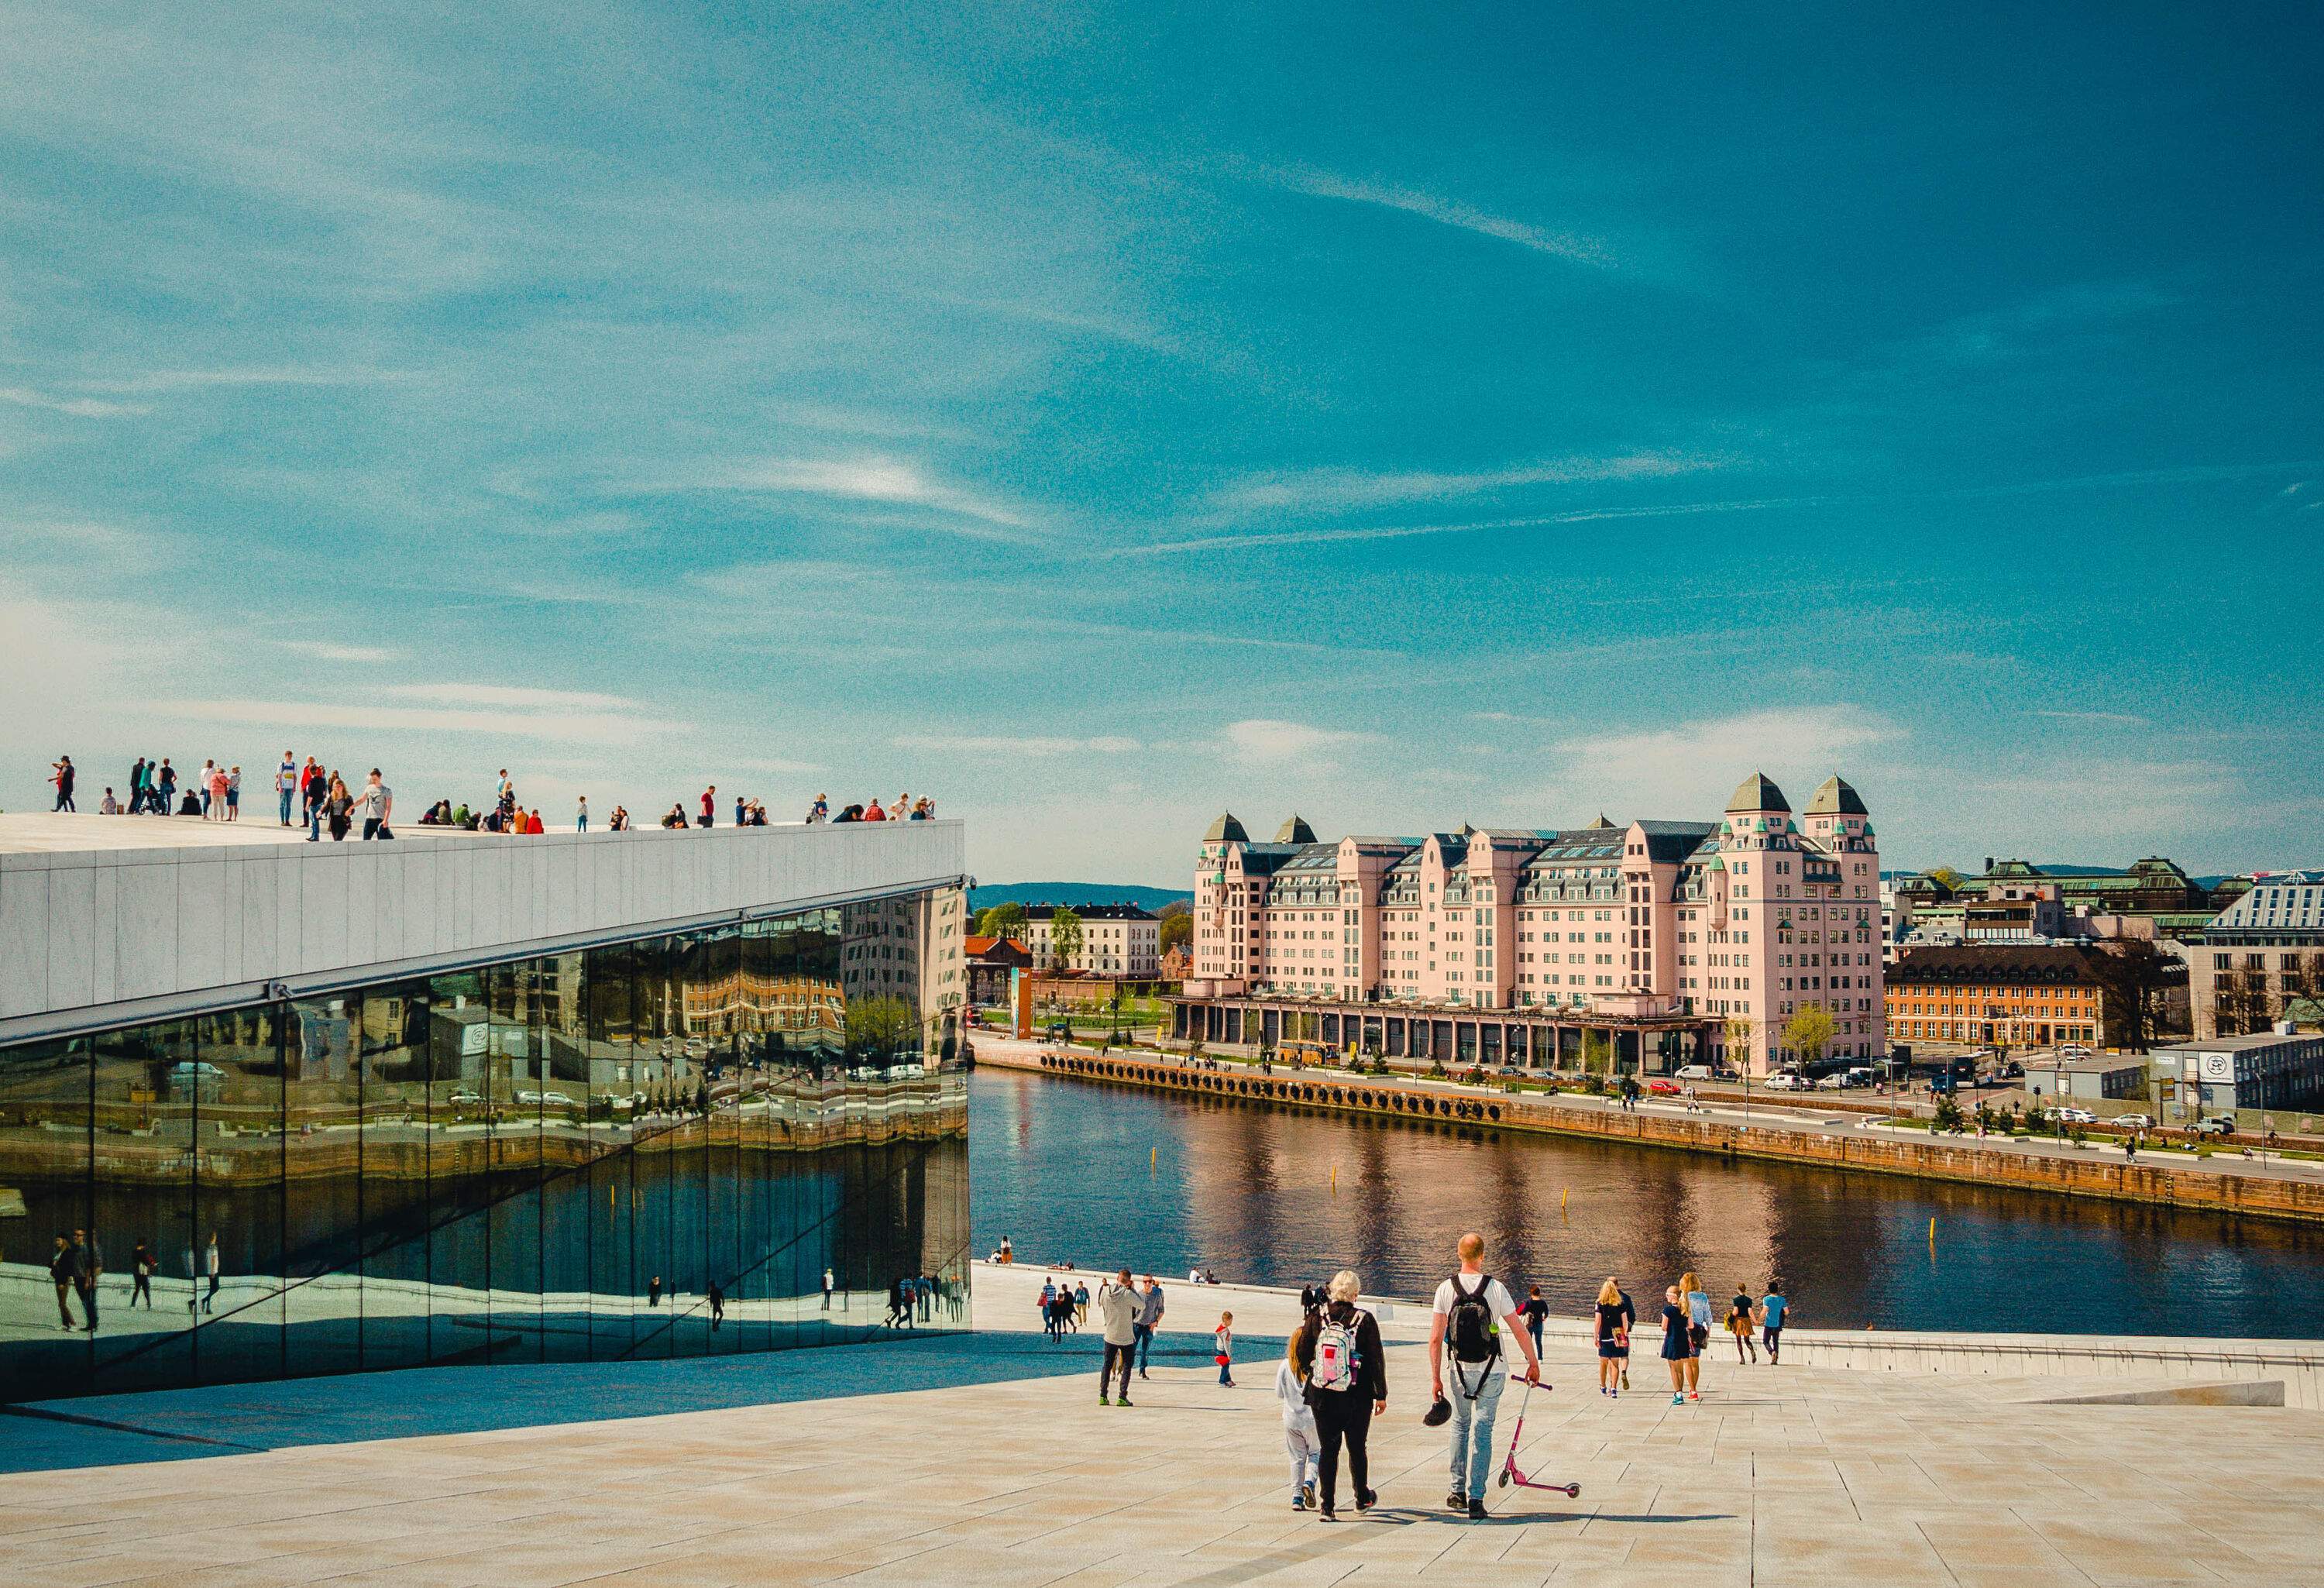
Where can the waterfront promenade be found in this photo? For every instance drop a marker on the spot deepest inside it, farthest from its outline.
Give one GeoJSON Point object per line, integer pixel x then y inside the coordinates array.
{"type": "Point", "coordinates": [1795, 1475]}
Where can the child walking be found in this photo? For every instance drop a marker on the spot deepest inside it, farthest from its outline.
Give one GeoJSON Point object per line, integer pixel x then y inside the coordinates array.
{"type": "Point", "coordinates": [1301, 1439]}
{"type": "Point", "coordinates": [1224, 1336]}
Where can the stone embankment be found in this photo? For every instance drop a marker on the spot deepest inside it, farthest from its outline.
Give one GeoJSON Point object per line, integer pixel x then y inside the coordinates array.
{"type": "Point", "coordinates": [1962, 1160]}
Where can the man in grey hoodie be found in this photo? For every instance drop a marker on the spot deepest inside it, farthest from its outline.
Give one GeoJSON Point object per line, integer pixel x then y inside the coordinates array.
{"type": "Point", "coordinates": [1118, 1303]}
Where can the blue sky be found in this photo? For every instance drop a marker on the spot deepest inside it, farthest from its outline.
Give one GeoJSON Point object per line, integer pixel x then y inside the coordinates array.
{"type": "Point", "coordinates": [1103, 415]}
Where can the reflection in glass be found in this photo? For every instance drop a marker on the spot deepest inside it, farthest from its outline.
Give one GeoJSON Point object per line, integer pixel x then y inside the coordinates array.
{"type": "Point", "coordinates": [563, 1157]}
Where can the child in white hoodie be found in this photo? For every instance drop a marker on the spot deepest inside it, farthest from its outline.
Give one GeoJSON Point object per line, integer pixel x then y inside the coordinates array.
{"type": "Point", "coordinates": [1300, 1439]}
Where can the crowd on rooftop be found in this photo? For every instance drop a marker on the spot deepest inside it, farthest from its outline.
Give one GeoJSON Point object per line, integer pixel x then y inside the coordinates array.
{"type": "Point", "coordinates": [322, 801]}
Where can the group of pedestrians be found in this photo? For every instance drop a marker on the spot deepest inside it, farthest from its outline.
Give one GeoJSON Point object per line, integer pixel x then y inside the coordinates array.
{"type": "Point", "coordinates": [77, 1266]}
{"type": "Point", "coordinates": [1333, 1379]}
{"type": "Point", "coordinates": [905, 809]}
{"type": "Point", "coordinates": [911, 1300]}
{"type": "Point", "coordinates": [324, 801]}
{"type": "Point", "coordinates": [1333, 1382]}
{"type": "Point", "coordinates": [1686, 1325]}
{"type": "Point", "coordinates": [1065, 1307]}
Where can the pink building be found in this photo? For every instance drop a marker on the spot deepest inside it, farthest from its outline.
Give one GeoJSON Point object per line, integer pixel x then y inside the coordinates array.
{"type": "Point", "coordinates": [1668, 940]}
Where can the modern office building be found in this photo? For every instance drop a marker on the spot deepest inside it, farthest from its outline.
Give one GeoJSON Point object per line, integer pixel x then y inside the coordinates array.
{"type": "Point", "coordinates": [270, 1108]}
{"type": "Point", "coordinates": [2261, 959]}
{"type": "Point", "coordinates": [1665, 942]}
{"type": "Point", "coordinates": [2256, 1070]}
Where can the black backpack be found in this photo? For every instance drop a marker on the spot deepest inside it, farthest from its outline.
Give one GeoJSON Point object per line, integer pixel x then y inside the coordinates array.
{"type": "Point", "coordinates": [1471, 1329]}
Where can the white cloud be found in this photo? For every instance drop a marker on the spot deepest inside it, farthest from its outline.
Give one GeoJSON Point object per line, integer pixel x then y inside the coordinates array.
{"type": "Point", "coordinates": [1007, 744]}
{"type": "Point", "coordinates": [891, 481]}
{"type": "Point", "coordinates": [326, 651]}
{"type": "Point", "coordinates": [195, 380]}
{"type": "Point", "coordinates": [78, 407]}
{"type": "Point", "coordinates": [1581, 515]}
{"type": "Point", "coordinates": [525, 699]}
{"type": "Point", "coordinates": [599, 727]}
{"type": "Point", "coordinates": [1270, 739]}
{"type": "Point", "coordinates": [1448, 212]}
{"type": "Point", "coordinates": [1339, 489]}
{"type": "Point", "coordinates": [2126, 719]}
{"type": "Point", "coordinates": [1691, 768]}
{"type": "Point", "coordinates": [779, 766]}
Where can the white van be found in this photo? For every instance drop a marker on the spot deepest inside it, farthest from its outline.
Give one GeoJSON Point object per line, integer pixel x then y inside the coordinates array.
{"type": "Point", "coordinates": [1695, 1072]}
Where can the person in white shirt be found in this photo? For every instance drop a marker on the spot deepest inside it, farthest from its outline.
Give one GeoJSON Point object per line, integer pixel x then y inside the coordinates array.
{"type": "Point", "coordinates": [375, 804]}
{"type": "Point", "coordinates": [1475, 1319]}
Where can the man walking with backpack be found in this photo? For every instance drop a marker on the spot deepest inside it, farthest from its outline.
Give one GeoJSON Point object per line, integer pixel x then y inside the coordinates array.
{"type": "Point", "coordinates": [1475, 1320]}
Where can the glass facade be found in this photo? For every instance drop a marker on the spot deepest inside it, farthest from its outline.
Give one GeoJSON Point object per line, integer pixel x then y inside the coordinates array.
{"type": "Point", "coordinates": [654, 1148]}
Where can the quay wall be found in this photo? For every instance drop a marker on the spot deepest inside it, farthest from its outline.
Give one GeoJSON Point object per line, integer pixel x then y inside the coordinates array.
{"type": "Point", "coordinates": [2213, 1190]}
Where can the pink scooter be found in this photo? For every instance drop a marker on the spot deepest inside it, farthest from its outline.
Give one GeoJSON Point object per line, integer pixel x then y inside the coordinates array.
{"type": "Point", "coordinates": [1509, 1473]}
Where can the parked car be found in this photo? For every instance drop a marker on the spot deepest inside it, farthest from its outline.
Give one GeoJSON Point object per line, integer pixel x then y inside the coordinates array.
{"type": "Point", "coordinates": [2078, 1116]}
{"type": "Point", "coordinates": [463, 1097]}
{"type": "Point", "coordinates": [1697, 1073]}
{"type": "Point", "coordinates": [2218, 1124]}
{"type": "Point", "coordinates": [2134, 1122]}
{"type": "Point", "coordinates": [1835, 1082]}
{"type": "Point", "coordinates": [1662, 1087]}
{"type": "Point", "coordinates": [1788, 1081]}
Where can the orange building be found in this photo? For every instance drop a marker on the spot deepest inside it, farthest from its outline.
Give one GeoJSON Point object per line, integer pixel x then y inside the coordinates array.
{"type": "Point", "coordinates": [2015, 995]}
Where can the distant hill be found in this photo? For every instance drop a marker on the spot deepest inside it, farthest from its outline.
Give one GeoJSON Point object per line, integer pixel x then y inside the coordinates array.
{"type": "Point", "coordinates": [1074, 893]}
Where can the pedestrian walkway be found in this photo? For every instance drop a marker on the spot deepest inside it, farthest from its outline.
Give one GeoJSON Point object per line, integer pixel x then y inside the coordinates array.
{"type": "Point", "coordinates": [1777, 1475]}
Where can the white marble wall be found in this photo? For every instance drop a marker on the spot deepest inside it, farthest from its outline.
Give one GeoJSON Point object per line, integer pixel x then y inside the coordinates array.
{"type": "Point", "coordinates": [82, 929]}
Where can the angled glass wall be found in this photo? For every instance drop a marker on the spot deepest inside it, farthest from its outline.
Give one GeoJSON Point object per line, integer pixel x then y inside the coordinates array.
{"type": "Point", "coordinates": [654, 1148]}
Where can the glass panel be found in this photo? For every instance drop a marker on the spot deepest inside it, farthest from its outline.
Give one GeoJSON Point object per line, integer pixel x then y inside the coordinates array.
{"type": "Point", "coordinates": [44, 1157]}
{"type": "Point", "coordinates": [613, 1190]}
{"type": "Point", "coordinates": [322, 1149]}
{"type": "Point", "coordinates": [574, 1114]}
{"type": "Point", "coordinates": [661, 1052]}
{"type": "Point", "coordinates": [518, 1093]}
{"type": "Point", "coordinates": [150, 1084]}
{"type": "Point", "coordinates": [407, 1060]}
{"type": "Point", "coordinates": [239, 1191]}
{"type": "Point", "coordinates": [459, 1178]}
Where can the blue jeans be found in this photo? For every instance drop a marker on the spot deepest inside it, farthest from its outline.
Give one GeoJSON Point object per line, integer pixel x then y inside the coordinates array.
{"type": "Point", "coordinates": [1144, 1342]}
{"type": "Point", "coordinates": [286, 808]}
{"type": "Point", "coordinates": [1472, 1424]}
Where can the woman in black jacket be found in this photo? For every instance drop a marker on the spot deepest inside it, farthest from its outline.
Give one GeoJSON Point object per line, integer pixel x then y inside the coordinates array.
{"type": "Point", "coordinates": [1343, 1415]}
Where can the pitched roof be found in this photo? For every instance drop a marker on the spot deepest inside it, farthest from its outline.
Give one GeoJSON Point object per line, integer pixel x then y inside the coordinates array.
{"type": "Point", "coordinates": [1295, 831]}
{"type": "Point", "coordinates": [1757, 792]}
{"type": "Point", "coordinates": [1835, 797]}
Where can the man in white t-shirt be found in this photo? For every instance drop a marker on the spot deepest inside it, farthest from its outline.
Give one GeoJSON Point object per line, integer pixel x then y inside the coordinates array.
{"type": "Point", "coordinates": [1476, 1319]}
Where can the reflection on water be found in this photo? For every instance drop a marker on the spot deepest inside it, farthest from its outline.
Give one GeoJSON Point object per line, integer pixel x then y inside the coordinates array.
{"type": "Point", "coordinates": [1106, 1175]}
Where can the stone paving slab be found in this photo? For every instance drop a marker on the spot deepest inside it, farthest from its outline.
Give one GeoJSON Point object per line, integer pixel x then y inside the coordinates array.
{"type": "Point", "coordinates": [1777, 1475]}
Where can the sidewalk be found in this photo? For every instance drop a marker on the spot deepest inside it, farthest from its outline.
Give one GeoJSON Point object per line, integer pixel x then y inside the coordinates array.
{"type": "Point", "coordinates": [1792, 1476]}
